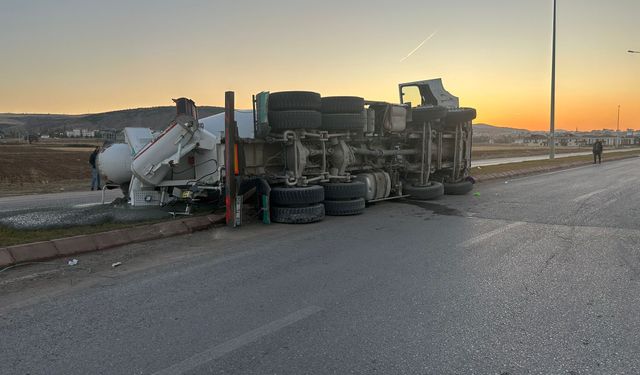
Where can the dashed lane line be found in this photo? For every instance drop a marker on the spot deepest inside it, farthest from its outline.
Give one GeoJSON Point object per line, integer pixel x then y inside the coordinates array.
{"type": "Point", "coordinates": [227, 347]}
{"type": "Point", "coordinates": [485, 236]}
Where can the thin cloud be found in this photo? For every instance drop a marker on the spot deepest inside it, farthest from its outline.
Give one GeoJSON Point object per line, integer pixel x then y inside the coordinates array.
{"type": "Point", "coordinates": [419, 45]}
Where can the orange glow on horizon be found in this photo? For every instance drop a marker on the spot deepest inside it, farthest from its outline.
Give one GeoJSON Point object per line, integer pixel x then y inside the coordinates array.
{"type": "Point", "coordinates": [77, 58]}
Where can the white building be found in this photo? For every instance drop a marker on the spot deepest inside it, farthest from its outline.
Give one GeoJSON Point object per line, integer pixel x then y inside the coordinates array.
{"type": "Point", "coordinates": [88, 133]}
{"type": "Point", "coordinates": [81, 133]}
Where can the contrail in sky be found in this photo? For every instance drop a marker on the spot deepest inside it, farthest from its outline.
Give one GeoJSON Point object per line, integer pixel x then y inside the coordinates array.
{"type": "Point", "coordinates": [419, 45]}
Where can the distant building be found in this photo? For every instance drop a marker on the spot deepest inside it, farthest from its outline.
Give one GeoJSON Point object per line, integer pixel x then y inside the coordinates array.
{"type": "Point", "coordinates": [88, 133]}
{"type": "Point", "coordinates": [565, 139]}
{"type": "Point", "coordinates": [80, 133]}
{"type": "Point", "coordinates": [74, 133]}
{"type": "Point", "coordinates": [532, 140]}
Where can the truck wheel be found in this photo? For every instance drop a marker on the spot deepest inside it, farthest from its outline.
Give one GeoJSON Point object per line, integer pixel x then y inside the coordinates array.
{"type": "Point", "coordinates": [296, 196]}
{"type": "Point", "coordinates": [285, 120]}
{"type": "Point", "coordinates": [432, 190]}
{"type": "Point", "coordinates": [344, 208]}
{"type": "Point", "coordinates": [297, 215]}
{"type": "Point", "coordinates": [342, 104]}
{"type": "Point", "coordinates": [458, 188]}
{"type": "Point", "coordinates": [294, 100]}
{"type": "Point", "coordinates": [458, 115]}
{"type": "Point", "coordinates": [343, 121]}
{"type": "Point", "coordinates": [425, 114]}
{"type": "Point", "coordinates": [342, 191]}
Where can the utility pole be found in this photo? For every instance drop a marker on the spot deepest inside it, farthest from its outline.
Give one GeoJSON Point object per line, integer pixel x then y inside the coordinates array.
{"type": "Point", "coordinates": [618, 127]}
{"type": "Point", "coordinates": [230, 135]}
{"type": "Point", "coordinates": [552, 125]}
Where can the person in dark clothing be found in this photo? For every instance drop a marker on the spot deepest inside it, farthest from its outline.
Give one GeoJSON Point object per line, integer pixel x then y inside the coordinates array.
{"type": "Point", "coordinates": [597, 151]}
{"type": "Point", "coordinates": [95, 174]}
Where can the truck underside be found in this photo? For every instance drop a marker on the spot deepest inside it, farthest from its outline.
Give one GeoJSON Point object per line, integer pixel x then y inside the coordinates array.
{"type": "Point", "coordinates": [315, 155]}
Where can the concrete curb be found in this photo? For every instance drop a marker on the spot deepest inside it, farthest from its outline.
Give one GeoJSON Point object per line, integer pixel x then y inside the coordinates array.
{"type": "Point", "coordinates": [62, 247]}
{"type": "Point", "coordinates": [33, 251]}
{"type": "Point", "coordinates": [74, 245]}
{"type": "Point", "coordinates": [541, 169]}
{"type": "Point", "coordinates": [6, 258]}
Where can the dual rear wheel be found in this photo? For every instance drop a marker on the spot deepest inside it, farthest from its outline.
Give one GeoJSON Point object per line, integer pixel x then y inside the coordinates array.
{"type": "Point", "coordinates": [309, 204]}
{"type": "Point", "coordinates": [434, 190]}
{"type": "Point", "coordinates": [344, 198]}
{"type": "Point", "coordinates": [297, 205]}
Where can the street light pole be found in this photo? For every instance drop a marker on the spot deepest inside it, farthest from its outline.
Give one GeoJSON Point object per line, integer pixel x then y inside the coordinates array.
{"type": "Point", "coordinates": [618, 128]}
{"type": "Point", "coordinates": [552, 125]}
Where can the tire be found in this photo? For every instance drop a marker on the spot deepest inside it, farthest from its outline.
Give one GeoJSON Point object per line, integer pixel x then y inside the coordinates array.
{"type": "Point", "coordinates": [458, 115]}
{"type": "Point", "coordinates": [343, 121]}
{"type": "Point", "coordinates": [344, 191]}
{"type": "Point", "coordinates": [296, 196]}
{"type": "Point", "coordinates": [458, 188]}
{"type": "Point", "coordinates": [297, 215]}
{"type": "Point", "coordinates": [285, 120]}
{"type": "Point", "coordinates": [342, 104]}
{"type": "Point", "coordinates": [344, 208]}
{"type": "Point", "coordinates": [433, 190]}
{"type": "Point", "coordinates": [294, 100]}
{"type": "Point", "coordinates": [420, 115]}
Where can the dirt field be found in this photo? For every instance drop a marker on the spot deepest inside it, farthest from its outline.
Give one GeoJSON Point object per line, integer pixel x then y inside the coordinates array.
{"type": "Point", "coordinates": [41, 168]}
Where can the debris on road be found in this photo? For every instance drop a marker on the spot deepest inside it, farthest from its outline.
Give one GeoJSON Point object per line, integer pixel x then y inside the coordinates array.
{"type": "Point", "coordinates": [116, 264]}
{"type": "Point", "coordinates": [72, 262]}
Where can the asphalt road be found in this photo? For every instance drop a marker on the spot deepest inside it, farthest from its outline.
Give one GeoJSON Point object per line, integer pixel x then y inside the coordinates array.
{"type": "Point", "coordinates": [535, 275]}
{"type": "Point", "coordinates": [66, 199]}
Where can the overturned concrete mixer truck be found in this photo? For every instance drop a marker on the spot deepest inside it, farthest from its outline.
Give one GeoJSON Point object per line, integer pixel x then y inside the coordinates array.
{"type": "Point", "coordinates": [310, 155]}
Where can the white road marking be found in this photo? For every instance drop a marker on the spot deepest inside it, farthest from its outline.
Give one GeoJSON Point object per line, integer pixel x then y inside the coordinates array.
{"type": "Point", "coordinates": [82, 205]}
{"type": "Point", "coordinates": [486, 236]}
{"type": "Point", "coordinates": [534, 176]}
{"type": "Point", "coordinates": [28, 277]}
{"type": "Point", "coordinates": [238, 342]}
{"type": "Point", "coordinates": [588, 195]}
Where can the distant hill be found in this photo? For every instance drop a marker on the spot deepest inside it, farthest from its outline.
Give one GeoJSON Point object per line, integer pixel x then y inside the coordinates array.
{"type": "Point", "coordinates": [493, 130]}
{"type": "Point", "coordinates": [156, 118]}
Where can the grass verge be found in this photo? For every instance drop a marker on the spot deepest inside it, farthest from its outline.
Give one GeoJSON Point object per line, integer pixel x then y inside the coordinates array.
{"type": "Point", "coordinates": [10, 236]}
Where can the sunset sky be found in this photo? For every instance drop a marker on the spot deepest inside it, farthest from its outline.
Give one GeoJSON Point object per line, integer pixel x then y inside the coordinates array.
{"type": "Point", "coordinates": [92, 56]}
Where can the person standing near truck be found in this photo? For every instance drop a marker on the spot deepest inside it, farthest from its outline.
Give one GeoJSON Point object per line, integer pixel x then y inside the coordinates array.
{"type": "Point", "coordinates": [95, 174]}
{"type": "Point", "coordinates": [597, 151]}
